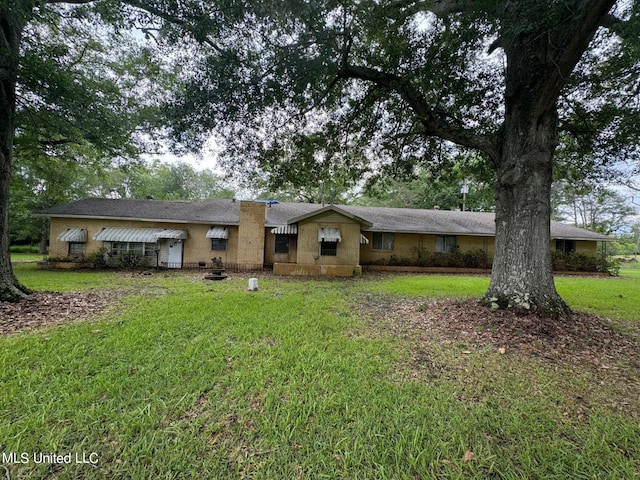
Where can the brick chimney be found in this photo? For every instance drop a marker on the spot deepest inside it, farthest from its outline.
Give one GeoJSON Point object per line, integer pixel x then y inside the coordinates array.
{"type": "Point", "coordinates": [251, 234]}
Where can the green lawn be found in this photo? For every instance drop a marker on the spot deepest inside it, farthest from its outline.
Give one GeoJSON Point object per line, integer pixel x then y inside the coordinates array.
{"type": "Point", "coordinates": [630, 270]}
{"type": "Point", "coordinates": [26, 257]}
{"type": "Point", "coordinates": [193, 379]}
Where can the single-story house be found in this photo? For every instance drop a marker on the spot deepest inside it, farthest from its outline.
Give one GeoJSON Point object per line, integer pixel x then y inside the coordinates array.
{"type": "Point", "coordinates": [293, 238]}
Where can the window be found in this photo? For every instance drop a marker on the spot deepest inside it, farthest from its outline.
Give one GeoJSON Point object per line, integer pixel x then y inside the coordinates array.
{"type": "Point", "coordinates": [219, 244]}
{"type": "Point", "coordinates": [137, 248]}
{"type": "Point", "coordinates": [76, 248]}
{"type": "Point", "coordinates": [149, 250]}
{"type": "Point", "coordinates": [566, 246]}
{"type": "Point", "coordinates": [383, 240]}
{"type": "Point", "coordinates": [446, 243]}
{"type": "Point", "coordinates": [118, 248]}
{"type": "Point", "coordinates": [328, 249]}
{"type": "Point", "coordinates": [282, 243]}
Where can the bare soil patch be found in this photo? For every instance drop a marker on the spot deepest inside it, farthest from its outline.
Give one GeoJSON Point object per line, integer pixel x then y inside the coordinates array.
{"type": "Point", "coordinates": [44, 309]}
{"type": "Point", "coordinates": [579, 339]}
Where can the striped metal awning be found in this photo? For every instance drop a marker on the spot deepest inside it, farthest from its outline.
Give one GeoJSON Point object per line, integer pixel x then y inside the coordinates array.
{"type": "Point", "coordinates": [173, 233]}
{"type": "Point", "coordinates": [125, 234]}
{"type": "Point", "coordinates": [77, 235]}
{"type": "Point", "coordinates": [329, 234]}
{"type": "Point", "coordinates": [285, 230]}
{"type": "Point", "coordinates": [218, 232]}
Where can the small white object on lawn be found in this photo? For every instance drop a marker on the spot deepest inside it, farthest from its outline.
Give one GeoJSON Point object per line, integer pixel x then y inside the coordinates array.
{"type": "Point", "coordinates": [253, 284]}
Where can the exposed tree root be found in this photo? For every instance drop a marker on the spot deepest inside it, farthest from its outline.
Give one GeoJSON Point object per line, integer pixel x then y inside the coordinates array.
{"type": "Point", "coordinates": [551, 306]}
{"type": "Point", "coordinates": [12, 293]}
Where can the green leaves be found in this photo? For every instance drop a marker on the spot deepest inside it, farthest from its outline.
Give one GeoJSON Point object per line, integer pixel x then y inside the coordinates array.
{"type": "Point", "coordinates": [279, 73]}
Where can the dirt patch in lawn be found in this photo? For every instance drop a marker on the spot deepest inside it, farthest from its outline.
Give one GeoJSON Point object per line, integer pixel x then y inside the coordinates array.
{"type": "Point", "coordinates": [579, 339]}
{"type": "Point", "coordinates": [596, 361]}
{"type": "Point", "coordinates": [44, 309]}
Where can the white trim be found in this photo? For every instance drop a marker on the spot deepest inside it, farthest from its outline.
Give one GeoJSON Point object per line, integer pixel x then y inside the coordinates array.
{"type": "Point", "coordinates": [218, 232]}
{"type": "Point", "coordinates": [173, 233]}
{"type": "Point", "coordinates": [125, 234]}
{"type": "Point", "coordinates": [285, 230]}
{"type": "Point", "coordinates": [75, 235]}
{"type": "Point", "coordinates": [329, 234]}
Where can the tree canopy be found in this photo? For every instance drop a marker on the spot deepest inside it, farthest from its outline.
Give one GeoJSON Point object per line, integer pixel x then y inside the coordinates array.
{"type": "Point", "coordinates": [75, 97]}
{"type": "Point", "coordinates": [404, 83]}
{"type": "Point", "coordinates": [408, 82]}
{"type": "Point", "coordinates": [304, 88]}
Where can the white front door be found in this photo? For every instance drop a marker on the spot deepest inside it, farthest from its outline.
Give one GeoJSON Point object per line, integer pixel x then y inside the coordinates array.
{"type": "Point", "coordinates": [174, 259]}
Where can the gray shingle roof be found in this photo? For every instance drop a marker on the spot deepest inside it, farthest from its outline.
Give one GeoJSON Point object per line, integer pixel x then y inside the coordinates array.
{"type": "Point", "coordinates": [227, 212]}
{"type": "Point", "coordinates": [213, 211]}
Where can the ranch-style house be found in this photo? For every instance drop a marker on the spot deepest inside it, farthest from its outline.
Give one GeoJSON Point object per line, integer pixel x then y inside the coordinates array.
{"type": "Point", "coordinates": [292, 238]}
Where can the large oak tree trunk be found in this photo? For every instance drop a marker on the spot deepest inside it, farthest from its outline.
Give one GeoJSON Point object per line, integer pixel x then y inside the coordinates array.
{"type": "Point", "coordinates": [10, 31]}
{"type": "Point", "coordinates": [522, 275]}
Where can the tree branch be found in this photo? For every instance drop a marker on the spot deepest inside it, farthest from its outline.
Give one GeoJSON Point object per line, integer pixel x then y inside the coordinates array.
{"type": "Point", "coordinates": [54, 143]}
{"type": "Point", "coordinates": [440, 8]}
{"type": "Point", "coordinates": [173, 19]}
{"type": "Point", "coordinates": [570, 41]}
{"type": "Point", "coordinates": [436, 122]}
{"type": "Point", "coordinates": [72, 2]}
{"type": "Point", "coordinates": [618, 26]}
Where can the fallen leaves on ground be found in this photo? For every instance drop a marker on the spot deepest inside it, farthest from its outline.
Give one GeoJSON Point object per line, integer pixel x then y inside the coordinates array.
{"type": "Point", "coordinates": [597, 361]}
{"type": "Point", "coordinates": [44, 309]}
{"type": "Point", "coordinates": [579, 338]}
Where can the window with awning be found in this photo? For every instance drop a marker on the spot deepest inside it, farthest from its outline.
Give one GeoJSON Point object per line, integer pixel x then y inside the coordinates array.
{"type": "Point", "coordinates": [218, 232]}
{"type": "Point", "coordinates": [137, 248]}
{"type": "Point", "coordinates": [138, 235]}
{"type": "Point", "coordinates": [125, 234]}
{"type": "Point", "coordinates": [77, 248]}
{"type": "Point", "coordinates": [329, 234]}
{"type": "Point", "coordinates": [282, 243]}
{"type": "Point", "coordinates": [285, 230]}
{"type": "Point", "coordinates": [75, 235]}
{"type": "Point", "coordinates": [173, 234]}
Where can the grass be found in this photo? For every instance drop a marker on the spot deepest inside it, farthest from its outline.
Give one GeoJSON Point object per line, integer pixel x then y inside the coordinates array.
{"type": "Point", "coordinates": [630, 270]}
{"type": "Point", "coordinates": [614, 297]}
{"type": "Point", "coordinates": [26, 257]}
{"type": "Point", "coordinates": [189, 379]}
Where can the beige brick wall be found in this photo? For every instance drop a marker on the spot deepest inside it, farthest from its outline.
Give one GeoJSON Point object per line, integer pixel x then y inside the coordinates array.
{"type": "Point", "coordinates": [196, 248]}
{"type": "Point", "coordinates": [251, 233]}
{"type": "Point", "coordinates": [586, 247]}
{"type": "Point", "coordinates": [469, 243]}
{"type": "Point", "coordinates": [348, 252]}
{"type": "Point", "coordinates": [407, 245]}
{"type": "Point", "coordinates": [589, 248]}
{"type": "Point", "coordinates": [270, 255]}
{"type": "Point", "coordinates": [252, 244]}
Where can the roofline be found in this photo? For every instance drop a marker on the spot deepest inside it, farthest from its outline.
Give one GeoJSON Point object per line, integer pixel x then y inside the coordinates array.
{"type": "Point", "coordinates": [330, 208]}
{"type": "Point", "coordinates": [604, 238]}
{"type": "Point", "coordinates": [367, 225]}
{"type": "Point", "coordinates": [428, 232]}
{"type": "Point", "coordinates": [136, 219]}
{"type": "Point", "coordinates": [488, 235]}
